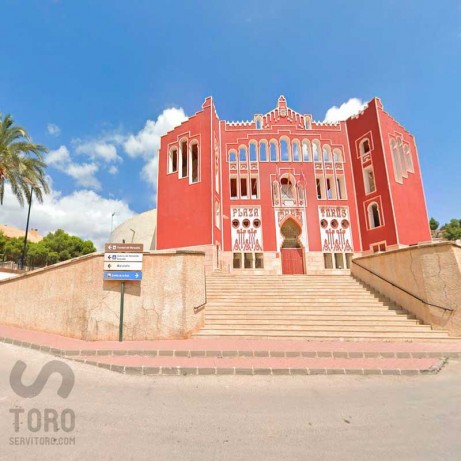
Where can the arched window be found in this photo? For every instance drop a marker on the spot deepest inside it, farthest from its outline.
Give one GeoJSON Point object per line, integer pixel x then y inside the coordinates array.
{"type": "Point", "coordinates": [287, 187]}
{"type": "Point", "coordinates": [316, 151]}
{"type": "Point", "coordinates": [337, 156]}
{"type": "Point", "coordinates": [173, 160]}
{"type": "Point", "coordinates": [183, 170]}
{"type": "Point", "coordinates": [326, 153]}
{"type": "Point", "coordinates": [374, 217]}
{"type": "Point", "coordinates": [243, 154]}
{"type": "Point", "coordinates": [307, 122]}
{"type": "Point", "coordinates": [284, 150]}
{"type": "Point", "coordinates": [253, 151]}
{"type": "Point", "coordinates": [403, 161]}
{"type": "Point", "coordinates": [364, 146]}
{"type": "Point", "coordinates": [218, 215]}
{"type": "Point", "coordinates": [232, 156]}
{"type": "Point", "coordinates": [408, 158]}
{"type": "Point", "coordinates": [263, 151]}
{"type": "Point", "coordinates": [300, 193]}
{"type": "Point", "coordinates": [307, 151]}
{"type": "Point", "coordinates": [396, 162]}
{"type": "Point", "coordinates": [258, 122]}
{"type": "Point", "coordinates": [274, 150]}
{"type": "Point", "coordinates": [296, 151]}
{"type": "Point", "coordinates": [194, 162]}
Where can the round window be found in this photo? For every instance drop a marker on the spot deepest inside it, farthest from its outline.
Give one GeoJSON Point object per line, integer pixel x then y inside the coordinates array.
{"type": "Point", "coordinates": [345, 223]}
{"type": "Point", "coordinates": [334, 224]}
{"type": "Point", "coordinates": [246, 223]}
{"type": "Point", "coordinates": [256, 223]}
{"type": "Point", "coordinates": [235, 223]}
{"type": "Point", "coordinates": [324, 223]}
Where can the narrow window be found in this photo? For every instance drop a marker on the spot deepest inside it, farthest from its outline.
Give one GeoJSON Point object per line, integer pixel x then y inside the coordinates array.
{"type": "Point", "coordinates": [306, 151]}
{"type": "Point", "coordinates": [263, 151]}
{"type": "Point", "coordinates": [320, 185]}
{"type": "Point", "coordinates": [253, 152]}
{"type": "Point", "coordinates": [254, 188]}
{"type": "Point", "coordinates": [173, 161]}
{"type": "Point", "coordinates": [307, 123]}
{"type": "Point", "coordinates": [183, 159]}
{"type": "Point", "coordinates": [337, 156]}
{"type": "Point", "coordinates": [369, 180]}
{"type": "Point", "coordinates": [409, 160]}
{"type": "Point", "coordinates": [373, 216]}
{"type": "Point", "coordinates": [232, 156]}
{"type": "Point", "coordinates": [233, 187]}
{"type": "Point", "coordinates": [243, 154]}
{"type": "Point", "coordinates": [300, 193]}
{"type": "Point", "coordinates": [259, 123]}
{"type": "Point", "coordinates": [273, 151]}
{"type": "Point", "coordinates": [403, 161]}
{"type": "Point", "coordinates": [284, 151]}
{"type": "Point", "coordinates": [348, 260]}
{"type": "Point", "coordinates": [339, 261]}
{"type": "Point", "coordinates": [315, 149]}
{"type": "Point", "coordinates": [326, 154]}
{"type": "Point", "coordinates": [396, 162]}
{"type": "Point", "coordinates": [331, 192]}
{"type": "Point", "coordinates": [364, 147]}
{"type": "Point", "coordinates": [237, 261]}
{"type": "Point", "coordinates": [296, 154]}
{"type": "Point", "coordinates": [194, 163]}
{"type": "Point", "coordinates": [243, 187]}
{"type": "Point", "coordinates": [275, 192]}
{"type": "Point", "coordinates": [341, 187]}
{"type": "Point", "coordinates": [328, 260]}
{"type": "Point", "coordinates": [218, 215]}
{"type": "Point", "coordinates": [248, 259]}
{"type": "Point", "coordinates": [259, 261]}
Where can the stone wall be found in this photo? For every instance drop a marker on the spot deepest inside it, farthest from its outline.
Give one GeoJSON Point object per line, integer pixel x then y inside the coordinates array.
{"type": "Point", "coordinates": [71, 299]}
{"type": "Point", "coordinates": [431, 272]}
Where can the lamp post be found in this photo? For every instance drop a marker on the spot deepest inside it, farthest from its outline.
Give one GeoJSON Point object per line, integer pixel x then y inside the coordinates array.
{"type": "Point", "coordinates": [24, 249]}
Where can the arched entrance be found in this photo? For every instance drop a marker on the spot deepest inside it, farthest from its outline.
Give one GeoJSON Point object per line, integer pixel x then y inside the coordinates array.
{"type": "Point", "coordinates": [291, 250]}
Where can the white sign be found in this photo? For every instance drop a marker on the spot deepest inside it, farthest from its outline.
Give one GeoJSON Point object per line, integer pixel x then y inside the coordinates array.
{"type": "Point", "coordinates": [128, 257]}
{"type": "Point", "coordinates": [246, 229]}
{"type": "Point", "coordinates": [122, 266]}
{"type": "Point", "coordinates": [335, 229]}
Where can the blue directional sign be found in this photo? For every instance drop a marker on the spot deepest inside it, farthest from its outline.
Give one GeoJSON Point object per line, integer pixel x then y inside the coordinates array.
{"type": "Point", "coordinates": [122, 275]}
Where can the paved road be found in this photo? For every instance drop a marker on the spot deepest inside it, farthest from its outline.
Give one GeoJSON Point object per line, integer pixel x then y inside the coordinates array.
{"type": "Point", "coordinates": [238, 417]}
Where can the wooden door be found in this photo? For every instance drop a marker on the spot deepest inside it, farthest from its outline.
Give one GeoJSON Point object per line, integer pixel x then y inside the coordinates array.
{"type": "Point", "coordinates": [292, 261]}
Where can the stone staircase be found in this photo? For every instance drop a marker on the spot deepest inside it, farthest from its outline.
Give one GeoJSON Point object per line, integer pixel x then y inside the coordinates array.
{"type": "Point", "coordinates": [311, 307]}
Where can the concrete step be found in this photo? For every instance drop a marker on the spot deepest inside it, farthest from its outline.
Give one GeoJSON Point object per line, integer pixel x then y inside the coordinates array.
{"type": "Point", "coordinates": [335, 328]}
{"type": "Point", "coordinates": [308, 322]}
{"type": "Point", "coordinates": [271, 334]}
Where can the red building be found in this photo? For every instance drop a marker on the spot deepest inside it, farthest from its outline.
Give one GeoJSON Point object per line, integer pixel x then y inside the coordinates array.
{"type": "Point", "coordinates": [285, 194]}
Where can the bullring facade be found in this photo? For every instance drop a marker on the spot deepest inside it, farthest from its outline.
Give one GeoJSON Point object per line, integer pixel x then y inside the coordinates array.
{"type": "Point", "coordinates": [285, 194]}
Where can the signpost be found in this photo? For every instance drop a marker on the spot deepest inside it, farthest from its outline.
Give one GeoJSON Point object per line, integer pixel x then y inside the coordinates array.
{"type": "Point", "coordinates": [123, 262]}
{"type": "Point", "coordinates": [122, 266]}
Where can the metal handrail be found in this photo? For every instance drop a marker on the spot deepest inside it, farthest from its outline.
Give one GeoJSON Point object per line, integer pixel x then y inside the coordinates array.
{"type": "Point", "coordinates": [403, 289]}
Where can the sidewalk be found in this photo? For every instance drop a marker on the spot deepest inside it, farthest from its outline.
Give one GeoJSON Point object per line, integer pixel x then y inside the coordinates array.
{"type": "Point", "coordinates": [240, 356]}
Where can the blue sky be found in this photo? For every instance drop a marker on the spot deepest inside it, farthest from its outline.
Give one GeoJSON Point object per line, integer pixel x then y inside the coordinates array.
{"type": "Point", "coordinates": [101, 70]}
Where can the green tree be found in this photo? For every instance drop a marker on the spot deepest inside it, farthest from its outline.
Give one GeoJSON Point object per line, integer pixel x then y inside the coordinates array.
{"type": "Point", "coordinates": [13, 248]}
{"type": "Point", "coordinates": [3, 241]}
{"type": "Point", "coordinates": [452, 230]}
{"type": "Point", "coordinates": [21, 162]}
{"type": "Point", "coordinates": [433, 224]}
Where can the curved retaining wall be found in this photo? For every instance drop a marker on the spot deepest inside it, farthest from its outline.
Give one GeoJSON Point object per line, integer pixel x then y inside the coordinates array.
{"type": "Point", "coordinates": [71, 299]}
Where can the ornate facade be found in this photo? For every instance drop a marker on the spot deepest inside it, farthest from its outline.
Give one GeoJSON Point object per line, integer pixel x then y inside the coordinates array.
{"type": "Point", "coordinates": [285, 194]}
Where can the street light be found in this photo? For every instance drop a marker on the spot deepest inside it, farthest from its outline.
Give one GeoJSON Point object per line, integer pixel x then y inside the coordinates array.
{"type": "Point", "coordinates": [112, 224]}
{"type": "Point", "coordinates": [24, 249]}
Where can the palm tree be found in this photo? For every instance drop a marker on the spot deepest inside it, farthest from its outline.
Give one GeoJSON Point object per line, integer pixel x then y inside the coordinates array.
{"type": "Point", "coordinates": [21, 163]}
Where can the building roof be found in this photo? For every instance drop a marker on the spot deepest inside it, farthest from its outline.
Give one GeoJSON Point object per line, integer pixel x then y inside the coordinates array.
{"type": "Point", "coordinates": [12, 232]}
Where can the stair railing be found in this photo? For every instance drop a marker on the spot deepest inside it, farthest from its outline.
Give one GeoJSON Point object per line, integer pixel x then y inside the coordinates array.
{"type": "Point", "coordinates": [445, 308]}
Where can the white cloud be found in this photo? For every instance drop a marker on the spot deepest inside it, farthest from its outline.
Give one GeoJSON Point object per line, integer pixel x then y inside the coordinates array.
{"type": "Point", "coordinates": [53, 129]}
{"type": "Point", "coordinates": [83, 173]}
{"type": "Point", "coordinates": [103, 151]}
{"type": "Point", "coordinates": [83, 213]}
{"type": "Point", "coordinates": [344, 111]}
{"type": "Point", "coordinates": [60, 156]}
{"type": "Point", "coordinates": [98, 150]}
{"type": "Point", "coordinates": [147, 141]}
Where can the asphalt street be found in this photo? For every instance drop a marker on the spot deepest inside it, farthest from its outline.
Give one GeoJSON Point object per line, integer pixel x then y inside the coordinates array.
{"type": "Point", "coordinates": [120, 417]}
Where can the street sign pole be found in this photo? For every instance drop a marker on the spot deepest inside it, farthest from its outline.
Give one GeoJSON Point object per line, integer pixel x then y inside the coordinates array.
{"type": "Point", "coordinates": [122, 302]}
